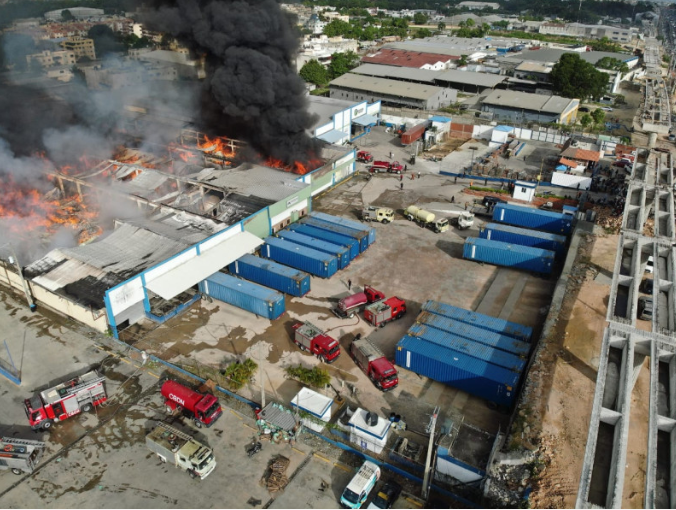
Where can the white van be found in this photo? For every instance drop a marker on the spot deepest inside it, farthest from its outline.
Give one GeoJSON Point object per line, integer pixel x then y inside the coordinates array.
{"type": "Point", "coordinates": [358, 489]}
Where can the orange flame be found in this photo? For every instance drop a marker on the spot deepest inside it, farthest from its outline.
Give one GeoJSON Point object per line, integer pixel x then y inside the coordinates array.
{"type": "Point", "coordinates": [218, 146]}
{"type": "Point", "coordinates": [24, 210]}
{"type": "Point", "coordinates": [297, 167]}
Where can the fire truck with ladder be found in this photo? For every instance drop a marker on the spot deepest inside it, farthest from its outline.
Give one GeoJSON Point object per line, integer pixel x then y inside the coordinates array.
{"type": "Point", "coordinates": [75, 396]}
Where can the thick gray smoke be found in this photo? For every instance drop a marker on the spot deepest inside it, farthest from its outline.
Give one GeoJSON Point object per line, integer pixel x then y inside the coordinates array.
{"type": "Point", "coordinates": [252, 91]}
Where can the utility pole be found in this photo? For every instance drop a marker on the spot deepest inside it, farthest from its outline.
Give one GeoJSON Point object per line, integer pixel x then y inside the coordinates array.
{"type": "Point", "coordinates": [428, 462]}
{"type": "Point", "coordinates": [13, 259]}
{"type": "Point", "coordinates": [260, 373]}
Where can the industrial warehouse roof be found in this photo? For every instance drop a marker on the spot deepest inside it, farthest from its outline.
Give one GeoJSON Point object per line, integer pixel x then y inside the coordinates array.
{"type": "Point", "coordinates": [185, 228]}
{"type": "Point", "coordinates": [405, 58]}
{"type": "Point", "coordinates": [209, 261]}
{"type": "Point", "coordinates": [526, 101]}
{"type": "Point", "coordinates": [252, 180]}
{"type": "Point", "coordinates": [554, 54]}
{"type": "Point", "coordinates": [85, 272]}
{"type": "Point", "coordinates": [470, 78]}
{"type": "Point", "coordinates": [534, 67]}
{"type": "Point", "coordinates": [397, 73]}
{"type": "Point", "coordinates": [372, 85]}
{"type": "Point", "coordinates": [326, 108]}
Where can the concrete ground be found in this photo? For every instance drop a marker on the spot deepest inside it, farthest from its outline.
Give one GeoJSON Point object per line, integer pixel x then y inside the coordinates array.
{"type": "Point", "coordinates": [407, 261]}
{"type": "Point", "coordinates": [99, 460]}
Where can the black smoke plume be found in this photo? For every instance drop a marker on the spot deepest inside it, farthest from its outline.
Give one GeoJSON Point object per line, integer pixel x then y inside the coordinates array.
{"type": "Point", "coordinates": [252, 91]}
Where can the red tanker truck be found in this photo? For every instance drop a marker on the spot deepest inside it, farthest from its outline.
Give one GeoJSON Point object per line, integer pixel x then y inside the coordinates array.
{"type": "Point", "coordinates": [202, 409]}
{"type": "Point", "coordinates": [350, 305]}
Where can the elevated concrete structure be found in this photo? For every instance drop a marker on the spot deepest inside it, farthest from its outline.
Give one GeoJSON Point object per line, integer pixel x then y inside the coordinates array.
{"type": "Point", "coordinates": [625, 348]}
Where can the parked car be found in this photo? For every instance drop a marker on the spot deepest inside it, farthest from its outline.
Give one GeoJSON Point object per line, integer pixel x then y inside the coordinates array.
{"type": "Point", "coordinates": [645, 308]}
{"type": "Point", "coordinates": [649, 268]}
{"type": "Point", "coordinates": [386, 496]}
{"type": "Point", "coordinates": [583, 109]}
{"type": "Point", "coordinates": [607, 109]}
{"type": "Point", "coordinates": [646, 286]}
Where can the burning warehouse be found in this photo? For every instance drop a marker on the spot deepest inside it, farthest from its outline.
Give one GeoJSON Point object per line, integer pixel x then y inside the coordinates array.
{"type": "Point", "coordinates": [189, 222]}
{"type": "Point", "coordinates": [117, 202]}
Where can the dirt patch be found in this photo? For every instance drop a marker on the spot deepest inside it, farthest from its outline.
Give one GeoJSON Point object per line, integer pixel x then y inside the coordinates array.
{"type": "Point", "coordinates": [558, 395]}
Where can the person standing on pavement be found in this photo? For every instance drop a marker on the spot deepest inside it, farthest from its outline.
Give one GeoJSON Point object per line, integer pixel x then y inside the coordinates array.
{"type": "Point", "coordinates": [418, 174]}
{"type": "Point", "coordinates": [401, 177]}
{"type": "Point", "coordinates": [401, 186]}
{"type": "Point", "coordinates": [349, 285]}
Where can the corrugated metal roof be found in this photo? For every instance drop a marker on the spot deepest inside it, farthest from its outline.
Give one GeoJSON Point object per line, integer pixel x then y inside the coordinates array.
{"type": "Point", "coordinates": [401, 73]}
{"type": "Point", "coordinates": [581, 154]}
{"type": "Point", "coordinates": [198, 268]}
{"type": "Point", "coordinates": [553, 55]}
{"type": "Point", "coordinates": [526, 101]}
{"type": "Point", "coordinates": [279, 416]}
{"type": "Point", "coordinates": [253, 180]}
{"type": "Point", "coordinates": [470, 78]}
{"type": "Point", "coordinates": [372, 85]}
{"type": "Point", "coordinates": [405, 58]}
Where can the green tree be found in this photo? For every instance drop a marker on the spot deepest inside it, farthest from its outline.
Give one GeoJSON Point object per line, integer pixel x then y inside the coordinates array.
{"type": "Point", "coordinates": [586, 121]}
{"type": "Point", "coordinates": [441, 26]}
{"type": "Point", "coordinates": [341, 63]}
{"type": "Point", "coordinates": [422, 32]}
{"type": "Point", "coordinates": [598, 116]}
{"type": "Point", "coordinates": [501, 24]}
{"type": "Point", "coordinates": [462, 61]}
{"type": "Point", "coordinates": [604, 44]}
{"type": "Point", "coordinates": [314, 72]}
{"type": "Point", "coordinates": [337, 27]}
{"type": "Point", "coordinates": [470, 23]}
{"type": "Point", "coordinates": [66, 15]}
{"type": "Point", "coordinates": [573, 77]}
{"type": "Point", "coordinates": [613, 64]}
{"type": "Point", "coordinates": [419, 18]}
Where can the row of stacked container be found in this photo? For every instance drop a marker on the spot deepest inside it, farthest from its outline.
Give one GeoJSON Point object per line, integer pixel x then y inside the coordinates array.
{"type": "Point", "coordinates": [476, 353]}
{"type": "Point", "coordinates": [521, 237]}
{"type": "Point", "coordinates": [321, 245]}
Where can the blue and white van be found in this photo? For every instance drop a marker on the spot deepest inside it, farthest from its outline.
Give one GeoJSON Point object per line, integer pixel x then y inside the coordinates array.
{"type": "Point", "coordinates": [360, 486]}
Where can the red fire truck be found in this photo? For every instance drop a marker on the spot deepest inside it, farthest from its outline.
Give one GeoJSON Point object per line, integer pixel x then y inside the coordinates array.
{"type": "Point", "coordinates": [386, 166]}
{"type": "Point", "coordinates": [374, 364]}
{"type": "Point", "coordinates": [382, 312]}
{"type": "Point", "coordinates": [64, 400]}
{"type": "Point", "coordinates": [202, 409]}
{"type": "Point", "coordinates": [310, 337]}
{"type": "Point", "coordinates": [364, 157]}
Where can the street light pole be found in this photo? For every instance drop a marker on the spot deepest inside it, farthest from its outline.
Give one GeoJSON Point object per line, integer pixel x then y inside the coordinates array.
{"type": "Point", "coordinates": [428, 461]}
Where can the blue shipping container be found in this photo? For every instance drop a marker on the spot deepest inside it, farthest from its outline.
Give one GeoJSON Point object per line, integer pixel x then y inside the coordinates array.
{"type": "Point", "coordinates": [470, 332]}
{"type": "Point", "coordinates": [271, 274]}
{"type": "Point", "coordinates": [349, 242]}
{"type": "Point", "coordinates": [243, 294]}
{"type": "Point", "coordinates": [471, 348]}
{"type": "Point", "coordinates": [509, 255]}
{"type": "Point", "coordinates": [362, 237]}
{"type": "Point", "coordinates": [340, 252]}
{"type": "Point", "coordinates": [528, 217]}
{"type": "Point", "coordinates": [476, 377]}
{"type": "Point", "coordinates": [523, 236]}
{"type": "Point", "coordinates": [306, 259]}
{"type": "Point", "coordinates": [479, 320]}
{"type": "Point", "coordinates": [371, 231]}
